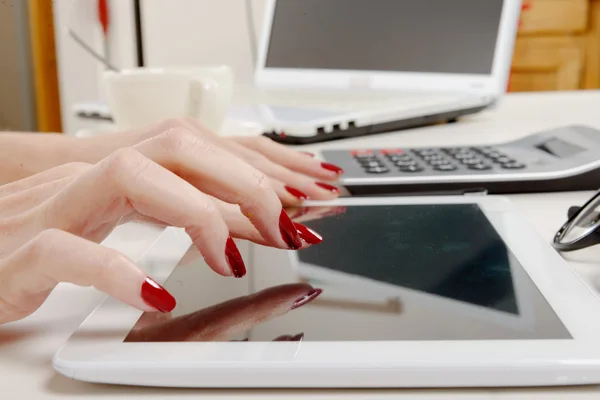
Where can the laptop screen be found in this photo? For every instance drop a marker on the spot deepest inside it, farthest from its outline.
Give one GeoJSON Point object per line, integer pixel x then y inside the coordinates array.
{"type": "Point", "coordinates": [427, 36]}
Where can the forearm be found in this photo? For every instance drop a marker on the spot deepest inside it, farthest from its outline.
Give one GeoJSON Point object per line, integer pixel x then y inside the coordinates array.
{"type": "Point", "coordinates": [25, 154]}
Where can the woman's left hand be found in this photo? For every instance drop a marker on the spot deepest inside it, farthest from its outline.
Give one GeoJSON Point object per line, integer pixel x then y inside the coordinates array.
{"type": "Point", "coordinates": [295, 176]}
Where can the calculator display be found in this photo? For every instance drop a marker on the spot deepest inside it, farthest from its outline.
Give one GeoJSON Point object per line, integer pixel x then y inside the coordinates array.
{"type": "Point", "coordinates": [559, 148]}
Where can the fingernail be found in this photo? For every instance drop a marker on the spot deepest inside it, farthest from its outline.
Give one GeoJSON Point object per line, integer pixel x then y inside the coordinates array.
{"type": "Point", "coordinates": [157, 296]}
{"type": "Point", "coordinates": [328, 187]}
{"type": "Point", "coordinates": [307, 234]}
{"type": "Point", "coordinates": [297, 338]}
{"type": "Point", "coordinates": [290, 338]}
{"type": "Point", "coordinates": [296, 193]}
{"type": "Point", "coordinates": [288, 231]}
{"type": "Point", "coordinates": [234, 259]}
{"type": "Point", "coordinates": [307, 153]}
{"type": "Point", "coordinates": [310, 296]}
{"type": "Point", "coordinates": [332, 168]}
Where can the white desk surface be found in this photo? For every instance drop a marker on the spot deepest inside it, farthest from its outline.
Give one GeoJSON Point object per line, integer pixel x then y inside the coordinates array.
{"type": "Point", "coordinates": [26, 347]}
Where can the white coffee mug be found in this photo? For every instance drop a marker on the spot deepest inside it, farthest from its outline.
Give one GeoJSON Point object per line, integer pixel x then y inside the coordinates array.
{"type": "Point", "coordinates": [142, 96]}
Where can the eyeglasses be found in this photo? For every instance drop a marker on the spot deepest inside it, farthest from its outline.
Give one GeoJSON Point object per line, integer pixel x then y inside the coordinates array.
{"type": "Point", "coordinates": [582, 228]}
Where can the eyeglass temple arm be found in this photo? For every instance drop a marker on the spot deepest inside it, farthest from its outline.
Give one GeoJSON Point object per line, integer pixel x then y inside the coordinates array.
{"type": "Point", "coordinates": [571, 213]}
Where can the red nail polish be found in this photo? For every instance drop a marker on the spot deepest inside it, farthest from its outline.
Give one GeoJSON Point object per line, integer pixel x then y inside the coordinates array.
{"type": "Point", "coordinates": [328, 187]}
{"type": "Point", "coordinates": [307, 234]}
{"type": "Point", "coordinates": [332, 168]}
{"type": "Point", "coordinates": [296, 193]}
{"type": "Point", "coordinates": [289, 233]}
{"type": "Point", "coordinates": [234, 259]}
{"type": "Point", "coordinates": [290, 338]}
{"type": "Point", "coordinates": [310, 296]}
{"type": "Point", "coordinates": [157, 296]}
{"type": "Point", "coordinates": [297, 338]}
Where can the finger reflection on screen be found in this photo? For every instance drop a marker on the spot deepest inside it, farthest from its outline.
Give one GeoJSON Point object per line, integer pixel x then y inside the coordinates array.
{"type": "Point", "coordinates": [305, 214]}
{"type": "Point", "coordinates": [223, 321]}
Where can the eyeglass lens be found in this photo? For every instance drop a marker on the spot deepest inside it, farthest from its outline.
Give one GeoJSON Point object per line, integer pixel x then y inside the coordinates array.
{"type": "Point", "coordinates": [586, 222]}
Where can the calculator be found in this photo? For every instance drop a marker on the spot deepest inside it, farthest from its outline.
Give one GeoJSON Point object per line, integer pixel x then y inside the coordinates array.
{"type": "Point", "coordinates": [562, 159]}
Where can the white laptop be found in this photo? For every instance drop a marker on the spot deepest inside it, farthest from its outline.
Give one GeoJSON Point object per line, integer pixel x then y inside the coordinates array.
{"type": "Point", "coordinates": [341, 68]}
{"type": "Point", "coordinates": [454, 291]}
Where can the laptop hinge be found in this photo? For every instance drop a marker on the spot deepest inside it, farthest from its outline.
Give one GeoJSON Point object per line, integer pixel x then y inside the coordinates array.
{"type": "Point", "coordinates": [476, 192]}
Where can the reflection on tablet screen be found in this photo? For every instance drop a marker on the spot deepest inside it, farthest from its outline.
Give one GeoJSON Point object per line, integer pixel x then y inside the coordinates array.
{"type": "Point", "coordinates": [389, 272]}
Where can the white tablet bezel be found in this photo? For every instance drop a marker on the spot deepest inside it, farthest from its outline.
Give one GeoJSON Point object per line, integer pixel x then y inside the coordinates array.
{"type": "Point", "coordinates": [493, 84]}
{"type": "Point", "coordinates": [96, 351]}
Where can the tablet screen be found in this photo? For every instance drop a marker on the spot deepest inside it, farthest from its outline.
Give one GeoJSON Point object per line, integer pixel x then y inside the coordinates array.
{"type": "Point", "coordinates": [388, 272]}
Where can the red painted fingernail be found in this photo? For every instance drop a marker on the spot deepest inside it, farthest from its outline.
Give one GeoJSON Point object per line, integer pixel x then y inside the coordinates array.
{"type": "Point", "coordinates": [157, 296]}
{"type": "Point", "coordinates": [297, 338]}
{"type": "Point", "coordinates": [310, 296]}
{"type": "Point", "coordinates": [234, 259]}
{"type": "Point", "coordinates": [296, 193]}
{"type": "Point", "coordinates": [328, 187]}
{"type": "Point", "coordinates": [307, 234]}
{"type": "Point", "coordinates": [332, 168]}
{"type": "Point", "coordinates": [290, 338]}
{"type": "Point", "coordinates": [289, 233]}
{"type": "Point", "coordinates": [306, 153]}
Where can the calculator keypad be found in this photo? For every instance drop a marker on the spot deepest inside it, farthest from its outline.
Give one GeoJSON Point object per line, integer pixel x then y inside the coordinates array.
{"type": "Point", "coordinates": [445, 160]}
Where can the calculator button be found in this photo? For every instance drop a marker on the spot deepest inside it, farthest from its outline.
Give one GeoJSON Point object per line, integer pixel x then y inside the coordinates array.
{"type": "Point", "coordinates": [458, 150]}
{"type": "Point", "coordinates": [513, 165]}
{"type": "Point", "coordinates": [402, 164]}
{"type": "Point", "coordinates": [367, 159]}
{"type": "Point", "coordinates": [411, 168]}
{"type": "Point", "coordinates": [425, 152]}
{"type": "Point", "coordinates": [495, 155]}
{"type": "Point", "coordinates": [377, 170]}
{"type": "Point", "coordinates": [504, 160]}
{"type": "Point", "coordinates": [404, 157]}
{"type": "Point", "coordinates": [480, 167]}
{"type": "Point", "coordinates": [372, 164]}
{"type": "Point", "coordinates": [451, 150]}
{"type": "Point", "coordinates": [463, 155]}
{"type": "Point", "coordinates": [389, 152]}
{"type": "Point", "coordinates": [437, 162]}
{"type": "Point", "coordinates": [433, 157]}
{"type": "Point", "coordinates": [483, 150]}
{"type": "Point", "coordinates": [445, 167]}
{"type": "Point", "coordinates": [361, 153]}
{"type": "Point", "coordinates": [471, 161]}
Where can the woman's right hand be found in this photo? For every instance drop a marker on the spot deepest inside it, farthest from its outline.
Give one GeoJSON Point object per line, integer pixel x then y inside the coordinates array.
{"type": "Point", "coordinates": [51, 223]}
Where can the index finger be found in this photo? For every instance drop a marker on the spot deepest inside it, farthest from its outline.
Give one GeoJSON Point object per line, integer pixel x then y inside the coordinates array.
{"type": "Point", "coordinates": [291, 158]}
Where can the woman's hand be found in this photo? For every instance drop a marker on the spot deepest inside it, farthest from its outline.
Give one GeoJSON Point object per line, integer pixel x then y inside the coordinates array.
{"type": "Point", "coordinates": [295, 176]}
{"type": "Point", "coordinates": [51, 223]}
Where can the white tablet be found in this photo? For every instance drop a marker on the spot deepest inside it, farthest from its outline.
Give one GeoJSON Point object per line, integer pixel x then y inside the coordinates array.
{"type": "Point", "coordinates": [417, 292]}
